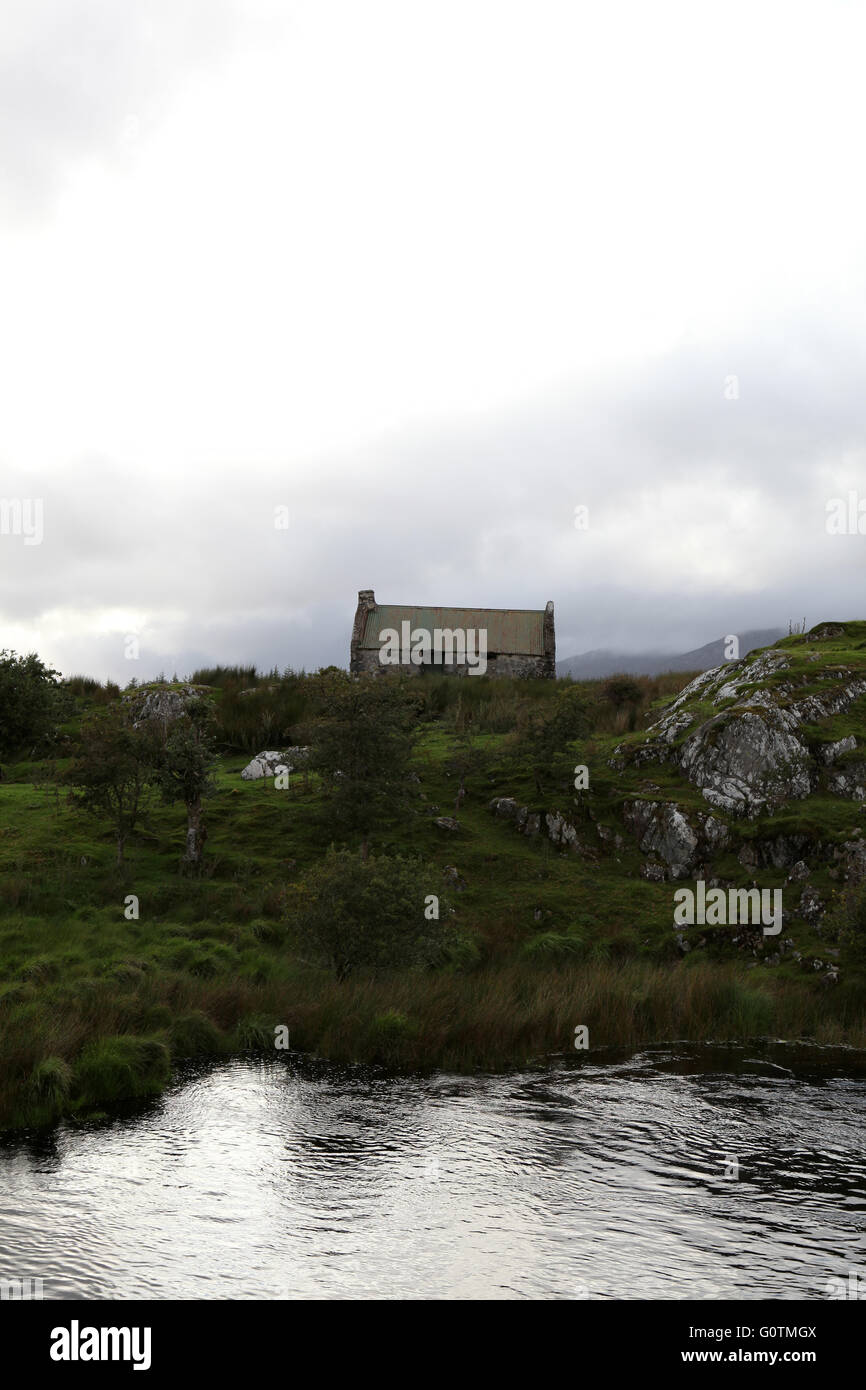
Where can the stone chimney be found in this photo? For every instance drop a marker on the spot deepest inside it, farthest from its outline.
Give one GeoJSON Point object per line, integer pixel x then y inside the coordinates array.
{"type": "Point", "coordinates": [366, 602]}
{"type": "Point", "coordinates": [549, 641]}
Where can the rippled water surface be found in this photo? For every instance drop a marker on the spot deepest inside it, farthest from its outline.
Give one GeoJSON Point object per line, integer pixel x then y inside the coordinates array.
{"type": "Point", "coordinates": [274, 1179]}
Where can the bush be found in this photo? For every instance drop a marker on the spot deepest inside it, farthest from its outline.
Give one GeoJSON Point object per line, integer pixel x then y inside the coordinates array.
{"type": "Point", "coordinates": [622, 690]}
{"type": "Point", "coordinates": [462, 952]}
{"type": "Point", "coordinates": [348, 912]}
{"type": "Point", "coordinates": [31, 699]}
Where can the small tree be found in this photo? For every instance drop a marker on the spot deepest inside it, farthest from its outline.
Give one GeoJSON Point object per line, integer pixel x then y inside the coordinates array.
{"type": "Point", "coordinates": [362, 746]}
{"type": "Point", "coordinates": [113, 775]}
{"type": "Point", "coordinates": [542, 743]}
{"type": "Point", "coordinates": [184, 768]}
{"type": "Point", "coordinates": [349, 912]}
{"type": "Point", "coordinates": [30, 698]}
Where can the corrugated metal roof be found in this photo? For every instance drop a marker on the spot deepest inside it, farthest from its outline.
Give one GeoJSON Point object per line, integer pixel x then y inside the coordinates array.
{"type": "Point", "coordinates": [518, 630]}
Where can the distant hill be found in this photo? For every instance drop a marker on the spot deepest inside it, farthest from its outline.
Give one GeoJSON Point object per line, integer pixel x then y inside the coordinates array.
{"type": "Point", "coordinates": [597, 664]}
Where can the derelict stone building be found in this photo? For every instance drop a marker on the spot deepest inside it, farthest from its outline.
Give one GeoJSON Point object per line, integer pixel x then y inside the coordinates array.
{"type": "Point", "coordinates": [458, 641]}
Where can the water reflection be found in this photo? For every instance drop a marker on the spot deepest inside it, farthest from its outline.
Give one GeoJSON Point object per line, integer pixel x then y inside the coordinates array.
{"type": "Point", "coordinates": [268, 1179]}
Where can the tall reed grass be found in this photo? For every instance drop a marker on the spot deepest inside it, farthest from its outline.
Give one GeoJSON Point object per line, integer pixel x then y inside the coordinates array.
{"type": "Point", "coordinates": [98, 1043]}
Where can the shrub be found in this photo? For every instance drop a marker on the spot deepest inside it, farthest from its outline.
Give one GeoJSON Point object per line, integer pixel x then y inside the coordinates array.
{"type": "Point", "coordinates": [461, 952]}
{"type": "Point", "coordinates": [268, 932]}
{"type": "Point", "coordinates": [348, 912]}
{"type": "Point", "coordinates": [622, 690]}
{"type": "Point", "coordinates": [31, 699]}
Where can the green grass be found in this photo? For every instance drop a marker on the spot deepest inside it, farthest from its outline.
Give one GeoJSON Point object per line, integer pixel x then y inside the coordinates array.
{"type": "Point", "coordinates": [96, 1008]}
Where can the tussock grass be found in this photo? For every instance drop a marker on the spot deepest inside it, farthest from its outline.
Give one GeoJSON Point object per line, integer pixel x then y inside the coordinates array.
{"type": "Point", "coordinates": [194, 1035]}
{"type": "Point", "coordinates": [121, 1068]}
{"type": "Point", "coordinates": [493, 1018]}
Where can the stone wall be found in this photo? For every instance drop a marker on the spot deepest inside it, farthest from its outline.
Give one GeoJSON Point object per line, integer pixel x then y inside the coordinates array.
{"type": "Point", "coordinates": [504, 665]}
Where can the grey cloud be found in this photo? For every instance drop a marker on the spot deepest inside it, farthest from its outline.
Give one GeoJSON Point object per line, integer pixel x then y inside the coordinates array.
{"type": "Point", "coordinates": [475, 513]}
{"type": "Point", "coordinates": [78, 78]}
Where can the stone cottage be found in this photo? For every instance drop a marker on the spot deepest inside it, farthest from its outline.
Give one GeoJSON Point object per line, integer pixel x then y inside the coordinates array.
{"type": "Point", "coordinates": [457, 641]}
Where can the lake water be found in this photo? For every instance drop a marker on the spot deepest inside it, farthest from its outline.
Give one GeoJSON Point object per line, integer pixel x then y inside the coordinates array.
{"type": "Point", "coordinates": [289, 1178]}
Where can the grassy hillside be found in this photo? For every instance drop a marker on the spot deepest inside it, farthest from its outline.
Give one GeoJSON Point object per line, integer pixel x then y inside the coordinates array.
{"type": "Point", "coordinates": [96, 1008]}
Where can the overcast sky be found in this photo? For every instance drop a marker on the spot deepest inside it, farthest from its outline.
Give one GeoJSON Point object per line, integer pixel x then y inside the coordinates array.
{"type": "Point", "coordinates": [430, 274]}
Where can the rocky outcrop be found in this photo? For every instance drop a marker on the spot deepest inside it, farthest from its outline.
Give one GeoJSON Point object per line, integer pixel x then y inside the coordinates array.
{"type": "Point", "coordinates": [527, 822]}
{"type": "Point", "coordinates": [653, 871]}
{"type": "Point", "coordinates": [750, 751]}
{"type": "Point", "coordinates": [665, 831]}
{"type": "Point", "coordinates": [555, 826]}
{"type": "Point", "coordinates": [779, 851]}
{"type": "Point", "coordinates": [811, 905]}
{"type": "Point", "coordinates": [560, 831]}
{"type": "Point", "coordinates": [799, 872]}
{"type": "Point", "coordinates": [746, 762]}
{"type": "Point", "coordinates": [754, 736]}
{"type": "Point", "coordinates": [264, 765]}
{"type": "Point", "coordinates": [268, 764]}
{"type": "Point", "coordinates": [831, 751]}
{"type": "Point", "coordinates": [851, 857]}
{"type": "Point", "coordinates": [848, 781]}
{"type": "Point", "coordinates": [453, 878]}
{"type": "Point", "coordinates": [609, 836]}
{"type": "Point", "coordinates": [162, 704]}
